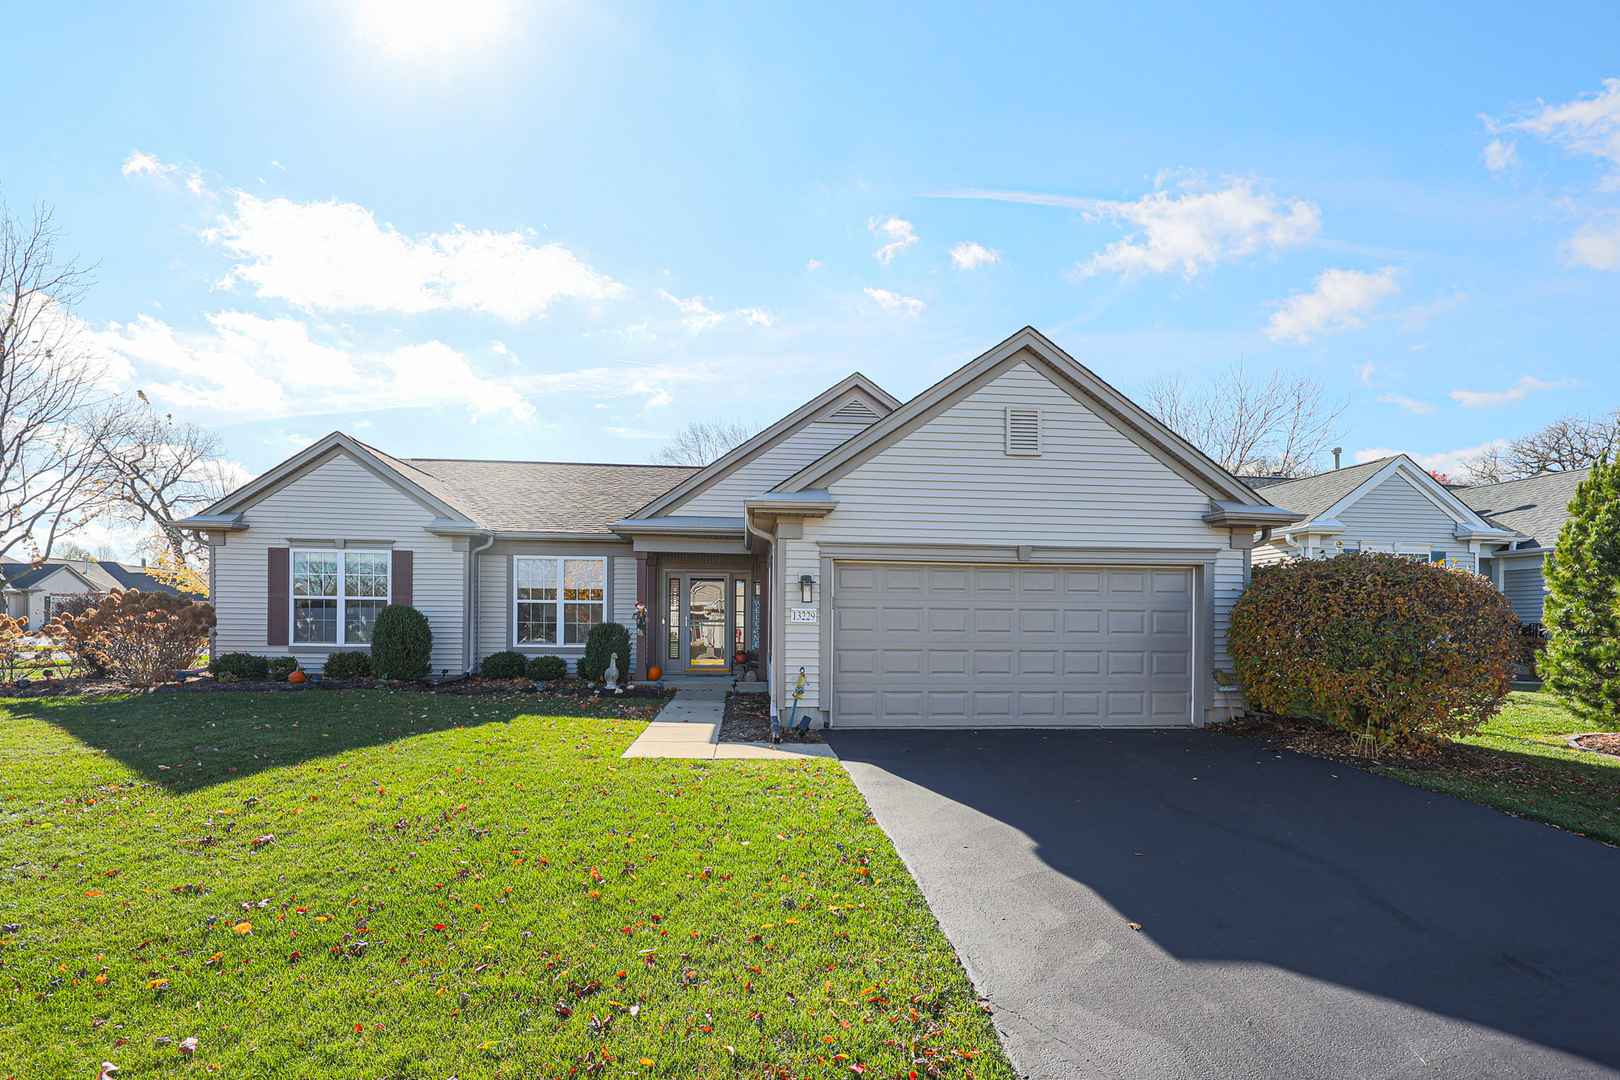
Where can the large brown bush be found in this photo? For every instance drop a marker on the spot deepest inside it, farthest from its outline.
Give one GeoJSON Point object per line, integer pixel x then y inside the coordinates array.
{"type": "Point", "coordinates": [139, 637]}
{"type": "Point", "coordinates": [1376, 644]}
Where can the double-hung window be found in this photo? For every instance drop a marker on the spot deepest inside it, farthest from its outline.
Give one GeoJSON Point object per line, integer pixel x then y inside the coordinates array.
{"type": "Point", "coordinates": [559, 600]}
{"type": "Point", "coordinates": [337, 595]}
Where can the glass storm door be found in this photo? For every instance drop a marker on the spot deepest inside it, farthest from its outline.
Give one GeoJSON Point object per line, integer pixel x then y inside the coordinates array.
{"type": "Point", "coordinates": [706, 631]}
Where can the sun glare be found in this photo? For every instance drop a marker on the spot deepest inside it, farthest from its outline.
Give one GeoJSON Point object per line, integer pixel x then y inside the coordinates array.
{"type": "Point", "coordinates": [416, 28]}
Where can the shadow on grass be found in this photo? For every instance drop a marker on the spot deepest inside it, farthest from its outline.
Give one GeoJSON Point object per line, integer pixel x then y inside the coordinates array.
{"type": "Point", "coordinates": [189, 741]}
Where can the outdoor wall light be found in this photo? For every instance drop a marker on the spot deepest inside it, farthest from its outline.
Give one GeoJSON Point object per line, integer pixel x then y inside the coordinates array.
{"type": "Point", "coordinates": [807, 585]}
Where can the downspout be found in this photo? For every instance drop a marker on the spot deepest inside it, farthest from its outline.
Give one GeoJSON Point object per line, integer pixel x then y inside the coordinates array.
{"type": "Point", "coordinates": [471, 636]}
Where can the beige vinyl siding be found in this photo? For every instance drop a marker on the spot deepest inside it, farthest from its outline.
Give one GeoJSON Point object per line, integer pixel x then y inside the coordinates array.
{"type": "Point", "coordinates": [763, 472]}
{"type": "Point", "coordinates": [622, 602]}
{"type": "Point", "coordinates": [1525, 589]}
{"type": "Point", "coordinates": [1268, 555]}
{"type": "Point", "coordinates": [952, 480]}
{"type": "Point", "coordinates": [1229, 582]}
{"type": "Point", "coordinates": [1395, 515]}
{"type": "Point", "coordinates": [336, 500]}
{"type": "Point", "coordinates": [801, 641]}
{"type": "Point", "coordinates": [495, 598]}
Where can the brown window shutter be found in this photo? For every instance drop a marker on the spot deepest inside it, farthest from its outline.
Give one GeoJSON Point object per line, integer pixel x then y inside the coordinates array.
{"type": "Point", "coordinates": [280, 596]}
{"type": "Point", "coordinates": [404, 583]}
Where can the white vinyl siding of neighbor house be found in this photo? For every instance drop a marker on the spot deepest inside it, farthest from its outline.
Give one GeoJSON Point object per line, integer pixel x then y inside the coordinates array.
{"type": "Point", "coordinates": [951, 481]}
{"type": "Point", "coordinates": [336, 500]}
{"type": "Point", "coordinates": [1525, 589]}
{"type": "Point", "coordinates": [1396, 516]}
{"type": "Point", "coordinates": [1268, 555]}
{"type": "Point", "coordinates": [763, 472]}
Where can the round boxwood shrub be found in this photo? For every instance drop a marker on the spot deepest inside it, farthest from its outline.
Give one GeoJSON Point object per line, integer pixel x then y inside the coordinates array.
{"type": "Point", "coordinates": [1378, 645]}
{"type": "Point", "coordinates": [347, 665]}
{"type": "Point", "coordinates": [401, 644]}
{"type": "Point", "coordinates": [503, 665]}
{"type": "Point", "coordinates": [227, 667]}
{"type": "Point", "coordinates": [547, 668]}
{"type": "Point", "coordinates": [281, 667]}
{"type": "Point", "coordinates": [605, 640]}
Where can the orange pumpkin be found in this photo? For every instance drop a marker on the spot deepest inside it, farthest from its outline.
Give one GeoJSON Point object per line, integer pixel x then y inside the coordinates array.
{"type": "Point", "coordinates": [297, 676]}
{"type": "Point", "coordinates": [655, 673]}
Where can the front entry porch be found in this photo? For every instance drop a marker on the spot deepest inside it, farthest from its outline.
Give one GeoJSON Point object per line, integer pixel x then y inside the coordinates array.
{"type": "Point", "coordinates": [705, 614]}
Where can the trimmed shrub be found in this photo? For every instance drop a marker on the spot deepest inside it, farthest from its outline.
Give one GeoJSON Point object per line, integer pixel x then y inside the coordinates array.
{"type": "Point", "coordinates": [546, 668]}
{"type": "Point", "coordinates": [503, 665]}
{"type": "Point", "coordinates": [231, 666]}
{"type": "Point", "coordinates": [1377, 645]}
{"type": "Point", "coordinates": [140, 637]}
{"type": "Point", "coordinates": [605, 640]}
{"type": "Point", "coordinates": [14, 650]}
{"type": "Point", "coordinates": [281, 667]}
{"type": "Point", "coordinates": [401, 644]}
{"type": "Point", "coordinates": [72, 635]}
{"type": "Point", "coordinates": [1582, 660]}
{"type": "Point", "coordinates": [347, 665]}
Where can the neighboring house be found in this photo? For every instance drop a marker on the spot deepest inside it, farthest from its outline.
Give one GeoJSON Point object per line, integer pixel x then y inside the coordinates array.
{"type": "Point", "coordinates": [1019, 544]}
{"type": "Point", "coordinates": [1391, 505]}
{"type": "Point", "coordinates": [1533, 510]}
{"type": "Point", "coordinates": [31, 589]}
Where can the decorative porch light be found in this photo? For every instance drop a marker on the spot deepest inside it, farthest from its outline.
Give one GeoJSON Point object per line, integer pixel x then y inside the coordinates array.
{"type": "Point", "coordinates": [806, 587]}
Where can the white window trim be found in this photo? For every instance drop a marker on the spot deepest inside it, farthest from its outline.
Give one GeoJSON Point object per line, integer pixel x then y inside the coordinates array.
{"type": "Point", "coordinates": [342, 613]}
{"type": "Point", "coordinates": [607, 595]}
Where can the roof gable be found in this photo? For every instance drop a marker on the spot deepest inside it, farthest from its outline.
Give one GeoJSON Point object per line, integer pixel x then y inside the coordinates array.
{"type": "Point", "coordinates": [855, 402]}
{"type": "Point", "coordinates": [1327, 495]}
{"type": "Point", "coordinates": [1030, 347]}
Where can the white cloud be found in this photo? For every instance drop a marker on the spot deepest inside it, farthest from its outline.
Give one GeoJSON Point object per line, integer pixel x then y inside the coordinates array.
{"type": "Point", "coordinates": [1338, 302]}
{"type": "Point", "coordinates": [811, 266]}
{"type": "Point", "coordinates": [894, 302]}
{"type": "Point", "coordinates": [1196, 232]}
{"type": "Point", "coordinates": [250, 366]}
{"type": "Point", "coordinates": [1365, 372]}
{"type": "Point", "coordinates": [143, 164]}
{"type": "Point", "coordinates": [1499, 155]}
{"type": "Point", "coordinates": [1453, 463]}
{"type": "Point", "coordinates": [1411, 405]}
{"type": "Point", "coordinates": [697, 315]}
{"type": "Point", "coordinates": [499, 348]}
{"type": "Point", "coordinates": [333, 256]}
{"type": "Point", "coordinates": [1594, 245]}
{"type": "Point", "coordinates": [898, 230]}
{"type": "Point", "coordinates": [1473, 399]}
{"type": "Point", "coordinates": [1589, 125]}
{"type": "Point", "coordinates": [968, 255]}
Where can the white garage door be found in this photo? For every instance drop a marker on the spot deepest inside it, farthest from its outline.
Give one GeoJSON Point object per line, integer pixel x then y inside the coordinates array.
{"type": "Point", "coordinates": [948, 644]}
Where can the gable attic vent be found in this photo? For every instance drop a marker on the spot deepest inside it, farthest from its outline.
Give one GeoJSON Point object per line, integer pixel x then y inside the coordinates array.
{"type": "Point", "coordinates": [853, 411]}
{"type": "Point", "coordinates": [1023, 431]}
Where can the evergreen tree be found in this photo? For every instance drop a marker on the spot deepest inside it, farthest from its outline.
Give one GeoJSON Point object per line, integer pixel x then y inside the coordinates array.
{"type": "Point", "coordinates": [1582, 613]}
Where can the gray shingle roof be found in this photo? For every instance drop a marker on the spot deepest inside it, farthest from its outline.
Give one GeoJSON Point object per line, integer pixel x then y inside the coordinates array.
{"type": "Point", "coordinates": [541, 496]}
{"type": "Point", "coordinates": [1312, 495]}
{"type": "Point", "coordinates": [1536, 506]}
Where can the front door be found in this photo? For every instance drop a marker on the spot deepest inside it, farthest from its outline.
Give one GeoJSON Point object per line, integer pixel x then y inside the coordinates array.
{"type": "Point", "coordinates": [706, 623]}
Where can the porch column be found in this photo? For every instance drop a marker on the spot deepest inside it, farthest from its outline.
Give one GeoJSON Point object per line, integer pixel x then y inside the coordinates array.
{"type": "Point", "coordinates": [646, 572]}
{"type": "Point", "coordinates": [764, 615]}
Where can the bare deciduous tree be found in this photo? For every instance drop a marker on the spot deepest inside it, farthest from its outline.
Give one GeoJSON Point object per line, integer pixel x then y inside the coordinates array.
{"type": "Point", "coordinates": [55, 408]}
{"type": "Point", "coordinates": [1272, 427]}
{"type": "Point", "coordinates": [159, 470]}
{"type": "Point", "coordinates": [702, 441]}
{"type": "Point", "coordinates": [1570, 442]}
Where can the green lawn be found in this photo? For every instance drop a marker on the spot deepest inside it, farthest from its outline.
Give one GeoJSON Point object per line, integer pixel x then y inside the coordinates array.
{"type": "Point", "coordinates": [456, 886]}
{"type": "Point", "coordinates": [1544, 779]}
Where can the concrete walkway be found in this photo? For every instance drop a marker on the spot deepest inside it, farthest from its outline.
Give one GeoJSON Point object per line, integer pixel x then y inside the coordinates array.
{"type": "Point", "coordinates": [689, 727]}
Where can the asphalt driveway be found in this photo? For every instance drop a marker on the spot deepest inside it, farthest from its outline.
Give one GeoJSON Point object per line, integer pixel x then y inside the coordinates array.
{"type": "Point", "coordinates": [1298, 918]}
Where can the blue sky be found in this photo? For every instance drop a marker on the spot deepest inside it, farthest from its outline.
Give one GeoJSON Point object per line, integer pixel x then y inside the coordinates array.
{"type": "Point", "coordinates": [561, 231]}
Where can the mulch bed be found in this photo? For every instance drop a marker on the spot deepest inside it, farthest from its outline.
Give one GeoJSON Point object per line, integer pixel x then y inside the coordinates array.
{"type": "Point", "coordinates": [1598, 742]}
{"type": "Point", "coordinates": [207, 684]}
{"type": "Point", "coordinates": [1321, 739]}
{"type": "Point", "coordinates": [748, 719]}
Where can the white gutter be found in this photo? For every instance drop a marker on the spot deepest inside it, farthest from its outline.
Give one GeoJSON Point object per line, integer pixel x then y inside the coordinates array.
{"type": "Point", "coordinates": [470, 633]}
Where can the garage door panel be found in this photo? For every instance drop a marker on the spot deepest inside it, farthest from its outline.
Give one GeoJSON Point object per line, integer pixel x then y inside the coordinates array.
{"type": "Point", "coordinates": [1006, 645]}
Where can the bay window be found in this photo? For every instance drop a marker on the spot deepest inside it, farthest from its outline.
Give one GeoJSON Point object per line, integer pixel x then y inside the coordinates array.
{"type": "Point", "coordinates": [337, 595]}
{"type": "Point", "coordinates": [558, 600]}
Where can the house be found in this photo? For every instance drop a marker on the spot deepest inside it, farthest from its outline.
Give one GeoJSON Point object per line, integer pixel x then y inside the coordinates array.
{"type": "Point", "coordinates": [31, 589]}
{"type": "Point", "coordinates": [1391, 505]}
{"type": "Point", "coordinates": [1533, 511]}
{"type": "Point", "coordinates": [1018, 544]}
